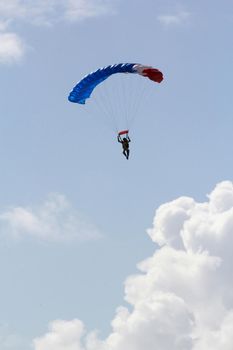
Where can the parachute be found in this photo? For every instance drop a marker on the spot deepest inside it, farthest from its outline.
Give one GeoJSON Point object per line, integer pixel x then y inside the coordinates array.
{"type": "Point", "coordinates": [85, 87]}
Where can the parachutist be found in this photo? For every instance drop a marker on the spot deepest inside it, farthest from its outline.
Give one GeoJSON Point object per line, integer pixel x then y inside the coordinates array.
{"type": "Point", "coordinates": [125, 145]}
{"type": "Point", "coordinates": [83, 90]}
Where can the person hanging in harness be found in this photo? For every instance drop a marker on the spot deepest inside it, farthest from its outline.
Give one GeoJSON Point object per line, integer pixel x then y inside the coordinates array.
{"type": "Point", "coordinates": [125, 144]}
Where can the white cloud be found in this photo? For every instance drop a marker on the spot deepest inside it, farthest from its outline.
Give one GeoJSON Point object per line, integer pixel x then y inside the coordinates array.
{"type": "Point", "coordinates": [11, 48]}
{"type": "Point", "coordinates": [52, 11]}
{"type": "Point", "coordinates": [11, 341]}
{"type": "Point", "coordinates": [54, 220]}
{"type": "Point", "coordinates": [82, 9]}
{"type": "Point", "coordinates": [219, 339]}
{"type": "Point", "coordinates": [174, 19]}
{"type": "Point", "coordinates": [182, 299]}
{"type": "Point", "coordinates": [42, 12]}
{"type": "Point", "coordinates": [62, 335]}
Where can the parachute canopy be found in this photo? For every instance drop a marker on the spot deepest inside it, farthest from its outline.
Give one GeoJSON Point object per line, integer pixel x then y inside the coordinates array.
{"type": "Point", "coordinates": [84, 87]}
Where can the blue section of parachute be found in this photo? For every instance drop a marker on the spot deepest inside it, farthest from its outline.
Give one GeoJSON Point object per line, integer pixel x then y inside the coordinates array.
{"type": "Point", "coordinates": [84, 88]}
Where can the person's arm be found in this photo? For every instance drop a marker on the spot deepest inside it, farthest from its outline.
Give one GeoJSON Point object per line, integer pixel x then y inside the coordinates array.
{"type": "Point", "coordinates": [119, 139]}
{"type": "Point", "coordinates": [128, 138]}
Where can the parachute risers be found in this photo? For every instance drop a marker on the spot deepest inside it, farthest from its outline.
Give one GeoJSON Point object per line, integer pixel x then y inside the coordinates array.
{"type": "Point", "coordinates": [123, 132]}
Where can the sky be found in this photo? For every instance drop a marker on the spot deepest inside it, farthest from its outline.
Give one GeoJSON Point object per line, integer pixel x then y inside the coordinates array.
{"type": "Point", "coordinates": [98, 252]}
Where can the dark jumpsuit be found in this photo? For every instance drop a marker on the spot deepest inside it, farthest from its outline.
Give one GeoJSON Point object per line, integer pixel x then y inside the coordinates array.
{"type": "Point", "coordinates": [125, 145]}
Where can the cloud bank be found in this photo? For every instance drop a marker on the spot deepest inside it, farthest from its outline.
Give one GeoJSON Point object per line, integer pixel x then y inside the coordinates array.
{"type": "Point", "coordinates": [54, 220]}
{"type": "Point", "coordinates": [42, 12]}
{"type": "Point", "coordinates": [182, 297]}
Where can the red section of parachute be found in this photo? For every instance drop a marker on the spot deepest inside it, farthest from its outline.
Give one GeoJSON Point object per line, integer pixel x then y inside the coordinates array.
{"type": "Point", "coordinates": [123, 132]}
{"type": "Point", "coordinates": [153, 74]}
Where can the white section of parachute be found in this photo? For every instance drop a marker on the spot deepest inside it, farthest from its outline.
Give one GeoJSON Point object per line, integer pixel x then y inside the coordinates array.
{"type": "Point", "coordinates": [140, 68]}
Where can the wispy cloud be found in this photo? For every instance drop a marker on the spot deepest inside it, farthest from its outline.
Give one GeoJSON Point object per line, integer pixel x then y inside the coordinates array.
{"type": "Point", "coordinates": [42, 13]}
{"type": "Point", "coordinates": [11, 341]}
{"type": "Point", "coordinates": [173, 19]}
{"type": "Point", "coordinates": [12, 48]}
{"type": "Point", "coordinates": [52, 11]}
{"type": "Point", "coordinates": [82, 9]}
{"type": "Point", "coordinates": [182, 298]}
{"type": "Point", "coordinates": [54, 220]}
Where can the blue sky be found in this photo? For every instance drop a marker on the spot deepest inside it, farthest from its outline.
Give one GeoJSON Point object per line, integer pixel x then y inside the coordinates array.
{"type": "Point", "coordinates": [73, 211]}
